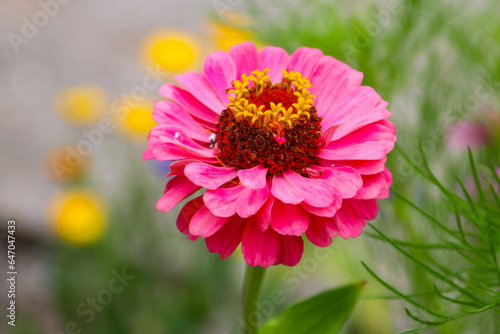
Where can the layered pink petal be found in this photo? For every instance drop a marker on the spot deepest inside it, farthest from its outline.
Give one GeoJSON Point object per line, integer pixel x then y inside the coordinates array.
{"type": "Point", "coordinates": [363, 167]}
{"type": "Point", "coordinates": [369, 133]}
{"type": "Point", "coordinates": [350, 222]}
{"type": "Point", "coordinates": [177, 189]}
{"type": "Point", "coordinates": [366, 209]}
{"type": "Point", "coordinates": [253, 178]}
{"type": "Point", "coordinates": [322, 229]}
{"type": "Point", "coordinates": [263, 216]}
{"type": "Point", "coordinates": [372, 186]}
{"type": "Point", "coordinates": [208, 176]}
{"type": "Point", "coordinates": [246, 58]}
{"type": "Point", "coordinates": [385, 192]}
{"type": "Point", "coordinates": [292, 188]}
{"type": "Point", "coordinates": [198, 85]}
{"type": "Point", "coordinates": [225, 202]}
{"type": "Point", "coordinates": [170, 143]}
{"type": "Point", "coordinates": [220, 70]}
{"type": "Point", "coordinates": [204, 223]}
{"type": "Point", "coordinates": [304, 60]}
{"type": "Point", "coordinates": [358, 151]}
{"type": "Point", "coordinates": [227, 238]}
{"type": "Point", "coordinates": [288, 219]}
{"type": "Point", "coordinates": [276, 59]}
{"type": "Point", "coordinates": [360, 107]}
{"type": "Point", "coordinates": [331, 81]}
{"type": "Point", "coordinates": [291, 249]}
{"type": "Point", "coordinates": [186, 214]}
{"type": "Point", "coordinates": [167, 112]}
{"type": "Point", "coordinates": [328, 211]}
{"type": "Point", "coordinates": [177, 168]}
{"type": "Point", "coordinates": [260, 248]}
{"type": "Point", "coordinates": [187, 101]}
{"type": "Point", "coordinates": [345, 180]}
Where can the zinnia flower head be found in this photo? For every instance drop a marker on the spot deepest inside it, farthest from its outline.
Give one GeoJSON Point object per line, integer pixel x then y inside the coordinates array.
{"type": "Point", "coordinates": [286, 147]}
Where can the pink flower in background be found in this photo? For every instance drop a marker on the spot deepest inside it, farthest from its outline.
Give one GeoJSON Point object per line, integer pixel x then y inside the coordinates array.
{"type": "Point", "coordinates": [285, 146]}
{"type": "Point", "coordinates": [466, 134]}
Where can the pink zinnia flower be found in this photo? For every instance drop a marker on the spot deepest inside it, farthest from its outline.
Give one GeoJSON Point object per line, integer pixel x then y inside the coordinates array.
{"type": "Point", "coordinates": [286, 146]}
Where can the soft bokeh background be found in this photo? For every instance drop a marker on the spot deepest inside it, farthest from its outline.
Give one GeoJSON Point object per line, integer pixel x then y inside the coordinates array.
{"type": "Point", "coordinates": [87, 71]}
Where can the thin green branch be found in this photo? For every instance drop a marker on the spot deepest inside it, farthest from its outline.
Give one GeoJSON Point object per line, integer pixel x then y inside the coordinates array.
{"type": "Point", "coordinates": [429, 269]}
{"type": "Point", "coordinates": [453, 300]}
{"type": "Point", "coordinates": [398, 293]}
{"type": "Point", "coordinates": [476, 177]}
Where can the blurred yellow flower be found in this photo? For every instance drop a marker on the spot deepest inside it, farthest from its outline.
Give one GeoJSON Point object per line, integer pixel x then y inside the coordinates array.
{"type": "Point", "coordinates": [233, 30]}
{"type": "Point", "coordinates": [137, 120]}
{"type": "Point", "coordinates": [81, 105]}
{"type": "Point", "coordinates": [174, 51]}
{"type": "Point", "coordinates": [226, 36]}
{"type": "Point", "coordinates": [78, 217]}
{"type": "Point", "coordinates": [65, 164]}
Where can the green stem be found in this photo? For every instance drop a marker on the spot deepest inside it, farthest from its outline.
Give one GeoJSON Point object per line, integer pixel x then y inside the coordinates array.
{"type": "Point", "coordinates": [250, 298]}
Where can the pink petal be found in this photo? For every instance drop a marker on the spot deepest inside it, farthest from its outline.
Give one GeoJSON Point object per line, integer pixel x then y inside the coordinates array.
{"type": "Point", "coordinates": [167, 112]}
{"type": "Point", "coordinates": [198, 85]}
{"type": "Point", "coordinates": [367, 209]}
{"type": "Point", "coordinates": [170, 143]}
{"type": "Point", "coordinates": [321, 230]}
{"type": "Point", "coordinates": [327, 135]}
{"type": "Point", "coordinates": [358, 108]}
{"type": "Point", "coordinates": [372, 186]}
{"type": "Point", "coordinates": [363, 167]}
{"type": "Point", "coordinates": [329, 211]}
{"type": "Point", "coordinates": [204, 223]}
{"type": "Point", "coordinates": [260, 248]}
{"type": "Point", "coordinates": [331, 81]}
{"type": "Point", "coordinates": [176, 190]}
{"type": "Point", "coordinates": [253, 178]}
{"type": "Point", "coordinates": [291, 249]}
{"type": "Point", "coordinates": [246, 58]}
{"type": "Point", "coordinates": [177, 168]}
{"type": "Point", "coordinates": [208, 176]}
{"type": "Point", "coordinates": [369, 133]}
{"type": "Point", "coordinates": [263, 216]}
{"type": "Point", "coordinates": [147, 154]}
{"type": "Point", "coordinates": [359, 151]}
{"type": "Point", "coordinates": [227, 238]}
{"type": "Point", "coordinates": [225, 202]}
{"type": "Point", "coordinates": [220, 70]}
{"type": "Point", "coordinates": [288, 219]}
{"type": "Point", "coordinates": [345, 180]}
{"type": "Point", "coordinates": [276, 59]}
{"type": "Point", "coordinates": [304, 60]}
{"type": "Point", "coordinates": [187, 101]}
{"type": "Point", "coordinates": [350, 222]}
{"type": "Point", "coordinates": [186, 214]}
{"type": "Point", "coordinates": [384, 193]}
{"type": "Point", "coordinates": [292, 188]}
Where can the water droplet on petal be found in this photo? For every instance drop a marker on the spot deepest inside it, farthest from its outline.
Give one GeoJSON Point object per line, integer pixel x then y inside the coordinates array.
{"type": "Point", "coordinates": [178, 137]}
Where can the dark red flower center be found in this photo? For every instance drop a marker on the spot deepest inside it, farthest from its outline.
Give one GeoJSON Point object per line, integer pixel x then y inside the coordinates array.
{"type": "Point", "coordinates": [274, 126]}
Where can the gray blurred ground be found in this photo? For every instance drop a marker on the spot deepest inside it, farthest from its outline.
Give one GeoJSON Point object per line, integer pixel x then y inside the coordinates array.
{"type": "Point", "coordinates": [82, 42]}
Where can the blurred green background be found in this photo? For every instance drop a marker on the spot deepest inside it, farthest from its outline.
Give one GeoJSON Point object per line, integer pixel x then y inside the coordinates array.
{"type": "Point", "coordinates": [93, 254]}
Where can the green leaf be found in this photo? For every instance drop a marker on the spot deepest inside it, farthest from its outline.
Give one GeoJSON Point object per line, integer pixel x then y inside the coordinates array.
{"type": "Point", "coordinates": [324, 313]}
